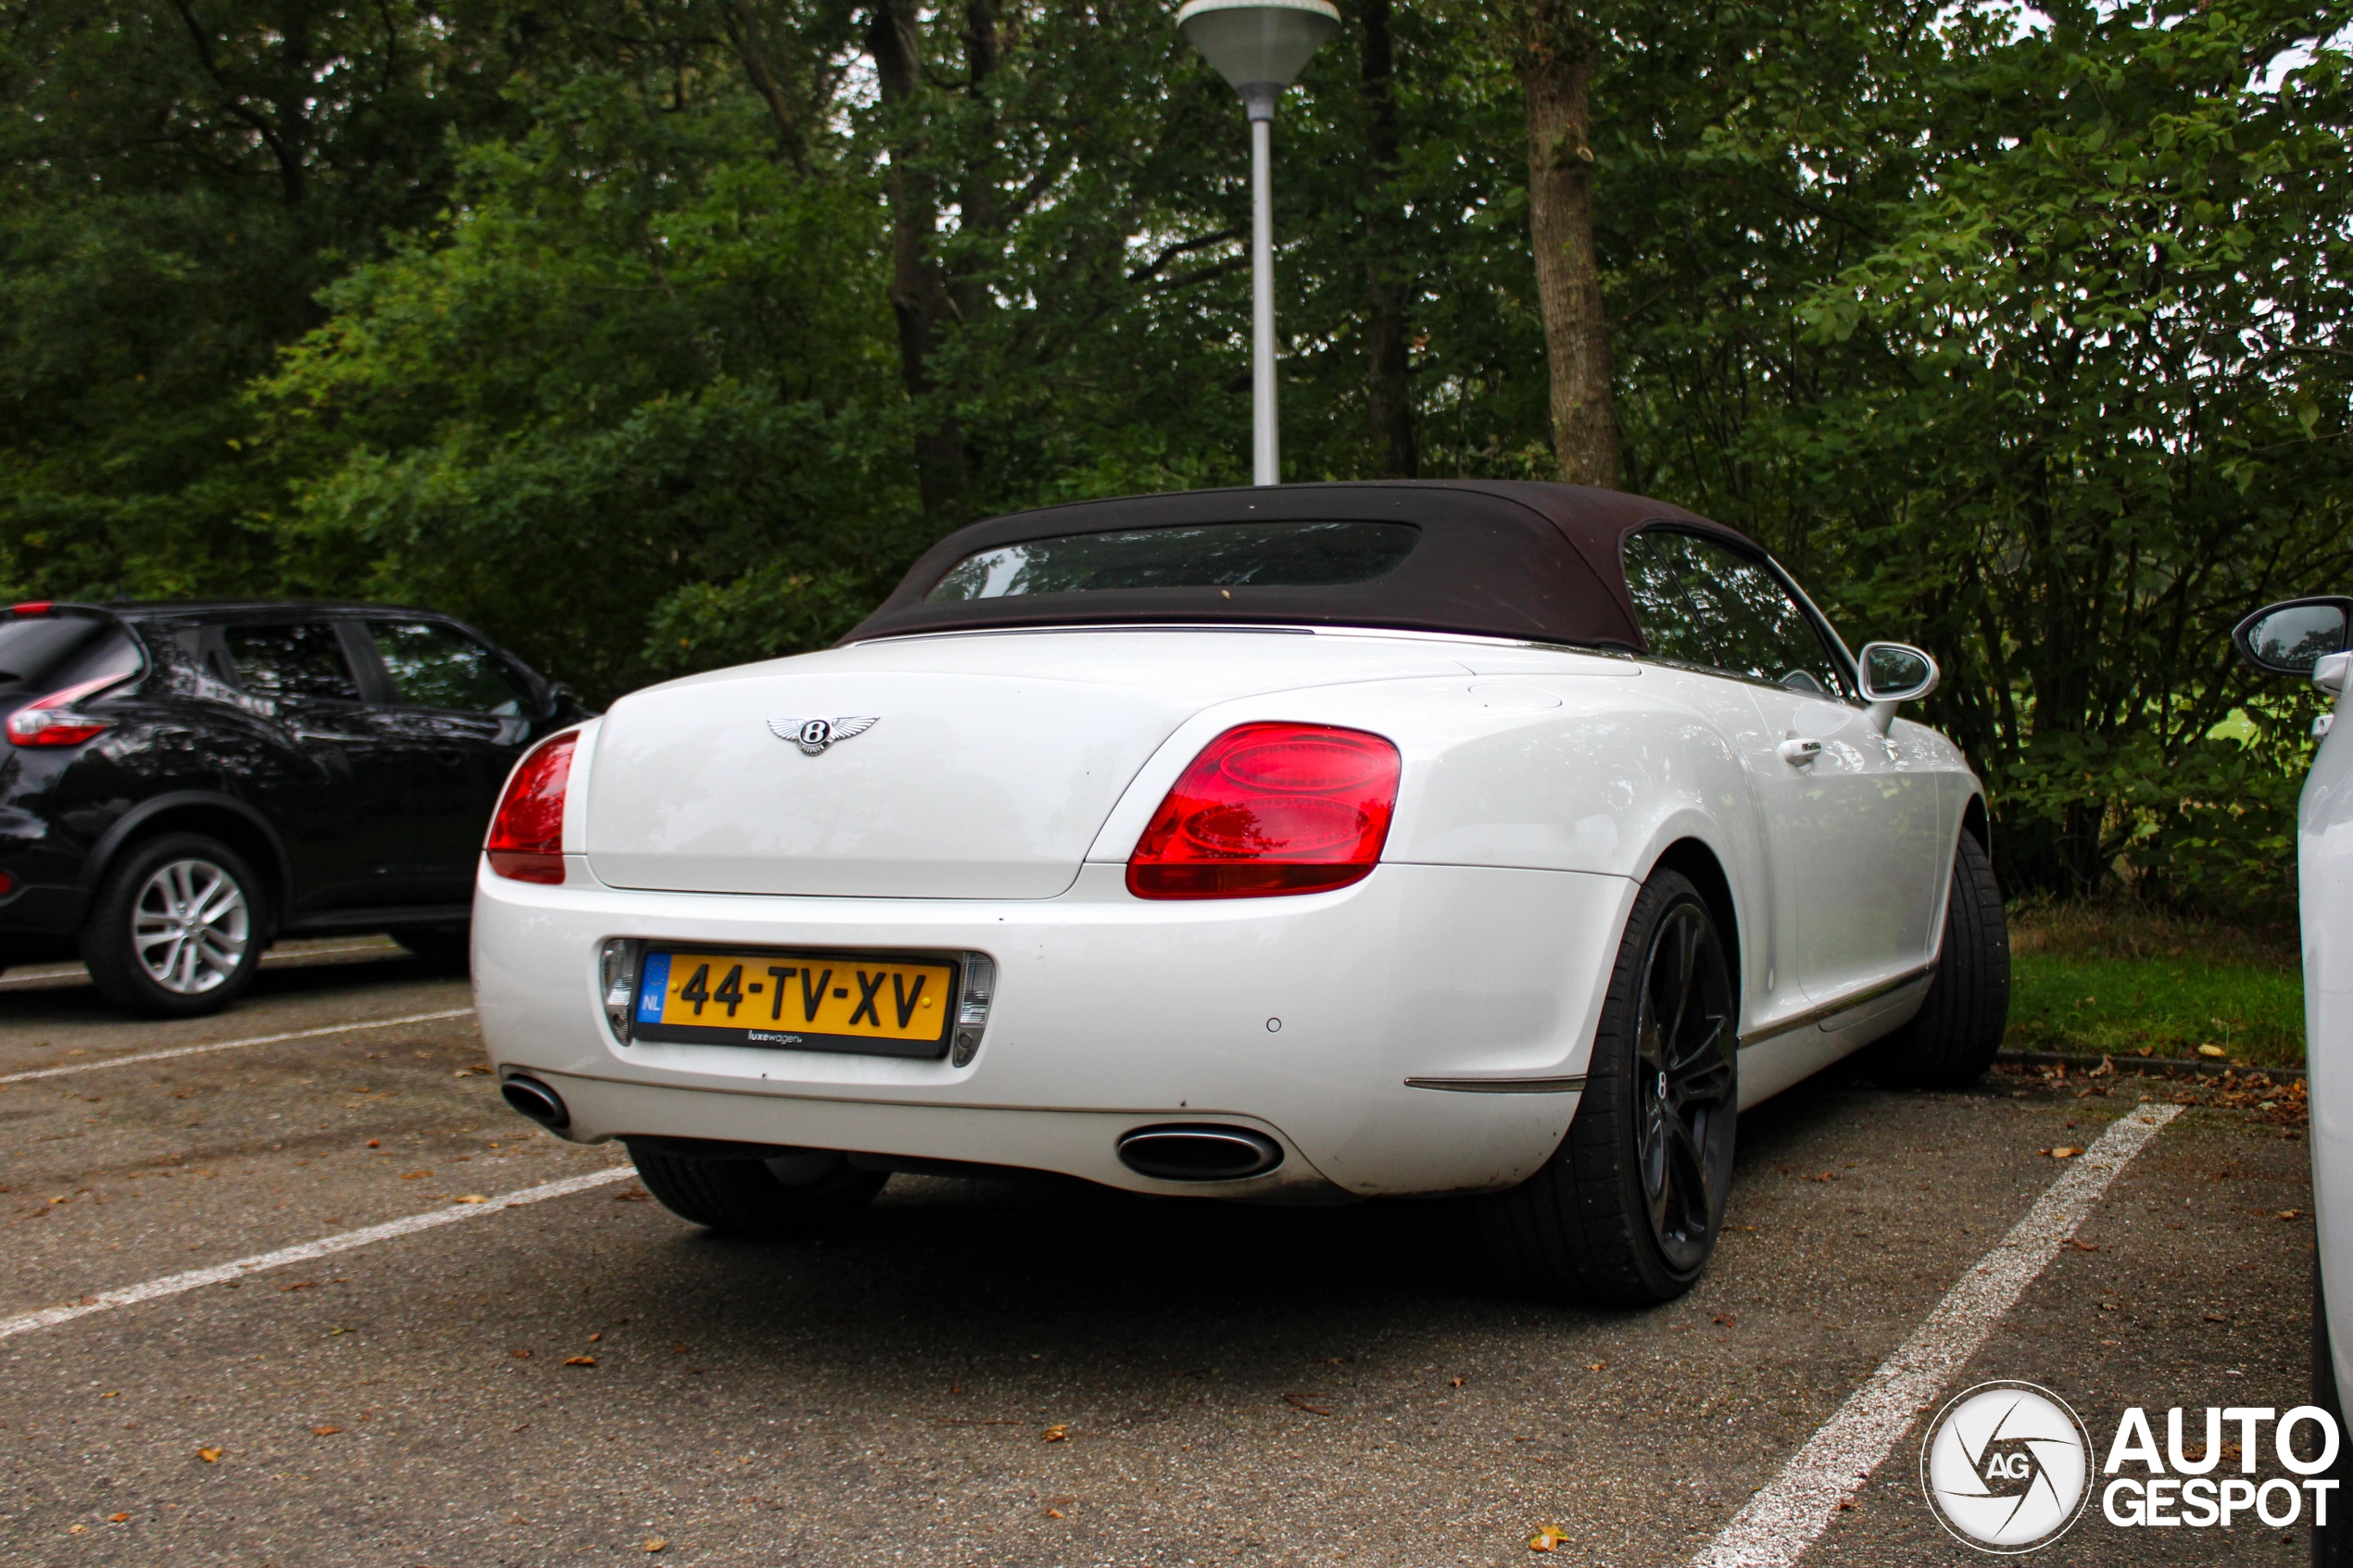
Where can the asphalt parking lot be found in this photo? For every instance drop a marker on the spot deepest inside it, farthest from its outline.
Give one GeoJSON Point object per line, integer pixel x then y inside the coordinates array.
{"type": "Point", "coordinates": [991, 1373]}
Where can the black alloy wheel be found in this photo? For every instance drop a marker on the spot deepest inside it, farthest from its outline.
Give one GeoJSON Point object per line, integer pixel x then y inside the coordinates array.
{"type": "Point", "coordinates": [1685, 1098]}
{"type": "Point", "coordinates": [1628, 1210]}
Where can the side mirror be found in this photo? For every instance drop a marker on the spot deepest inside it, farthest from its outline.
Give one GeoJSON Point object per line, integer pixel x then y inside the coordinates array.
{"type": "Point", "coordinates": [1893, 673]}
{"type": "Point", "coordinates": [563, 703]}
{"type": "Point", "coordinates": [2293, 638]}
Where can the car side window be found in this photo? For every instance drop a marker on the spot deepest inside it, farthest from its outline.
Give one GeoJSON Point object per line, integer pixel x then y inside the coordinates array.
{"type": "Point", "coordinates": [1746, 620]}
{"type": "Point", "coordinates": [301, 661]}
{"type": "Point", "coordinates": [1670, 626]}
{"type": "Point", "coordinates": [435, 666]}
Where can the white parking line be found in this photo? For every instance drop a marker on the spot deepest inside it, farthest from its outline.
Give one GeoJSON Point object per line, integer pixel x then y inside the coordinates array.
{"type": "Point", "coordinates": [173, 1284]}
{"type": "Point", "coordinates": [232, 1045]}
{"type": "Point", "coordinates": [1785, 1518]}
{"type": "Point", "coordinates": [76, 972]}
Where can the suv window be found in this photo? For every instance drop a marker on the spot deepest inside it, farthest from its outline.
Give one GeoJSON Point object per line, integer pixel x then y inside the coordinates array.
{"type": "Point", "coordinates": [434, 666]}
{"type": "Point", "coordinates": [301, 660]}
{"type": "Point", "coordinates": [1701, 603]}
{"type": "Point", "coordinates": [47, 653]}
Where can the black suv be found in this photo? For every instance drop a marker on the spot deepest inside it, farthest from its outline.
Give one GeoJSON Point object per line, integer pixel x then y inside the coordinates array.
{"type": "Point", "coordinates": [184, 783]}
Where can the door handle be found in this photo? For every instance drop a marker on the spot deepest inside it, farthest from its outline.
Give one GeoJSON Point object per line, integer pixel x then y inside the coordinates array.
{"type": "Point", "coordinates": [1797, 753]}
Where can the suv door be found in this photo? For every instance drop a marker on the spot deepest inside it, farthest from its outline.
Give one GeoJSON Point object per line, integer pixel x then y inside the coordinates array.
{"type": "Point", "coordinates": [458, 700]}
{"type": "Point", "coordinates": [1855, 834]}
{"type": "Point", "coordinates": [297, 678]}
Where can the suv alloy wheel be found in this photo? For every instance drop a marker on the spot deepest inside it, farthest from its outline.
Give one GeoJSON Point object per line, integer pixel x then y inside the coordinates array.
{"type": "Point", "coordinates": [177, 929]}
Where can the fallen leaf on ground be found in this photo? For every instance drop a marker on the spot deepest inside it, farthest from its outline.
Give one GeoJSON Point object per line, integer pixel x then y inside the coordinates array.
{"type": "Point", "coordinates": [375, 1143]}
{"type": "Point", "coordinates": [1548, 1538]}
{"type": "Point", "coordinates": [2148, 1051]}
{"type": "Point", "coordinates": [1057, 1434]}
{"type": "Point", "coordinates": [520, 1355]}
{"type": "Point", "coordinates": [1727, 1320]}
{"type": "Point", "coordinates": [1299, 1402]}
{"type": "Point", "coordinates": [1053, 1513]}
{"type": "Point", "coordinates": [117, 1519]}
{"type": "Point", "coordinates": [210, 1456]}
{"type": "Point", "coordinates": [77, 1529]}
{"type": "Point", "coordinates": [656, 1544]}
{"type": "Point", "coordinates": [2081, 1246]}
{"type": "Point", "coordinates": [414, 1175]}
{"type": "Point", "coordinates": [2216, 1317]}
{"type": "Point", "coordinates": [324, 1431]}
{"type": "Point", "coordinates": [579, 1361]}
{"type": "Point", "coordinates": [301, 1285]}
{"type": "Point", "coordinates": [471, 1197]}
{"type": "Point", "coordinates": [2291, 1213]}
{"type": "Point", "coordinates": [594, 1337]}
{"type": "Point", "coordinates": [2215, 1051]}
{"type": "Point", "coordinates": [2064, 1151]}
{"type": "Point", "coordinates": [1454, 1383]}
{"type": "Point", "coordinates": [1596, 1366]}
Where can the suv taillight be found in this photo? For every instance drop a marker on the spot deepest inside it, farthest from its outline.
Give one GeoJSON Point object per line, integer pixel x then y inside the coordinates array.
{"type": "Point", "coordinates": [526, 839]}
{"type": "Point", "coordinates": [52, 721]}
{"type": "Point", "coordinates": [1270, 809]}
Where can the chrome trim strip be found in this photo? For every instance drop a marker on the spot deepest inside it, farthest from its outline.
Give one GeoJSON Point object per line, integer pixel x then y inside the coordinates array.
{"type": "Point", "coordinates": [1831, 1010]}
{"type": "Point", "coordinates": [1501, 1086]}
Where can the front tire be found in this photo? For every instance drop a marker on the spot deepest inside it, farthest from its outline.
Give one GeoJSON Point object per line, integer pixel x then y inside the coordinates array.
{"type": "Point", "coordinates": [177, 929]}
{"type": "Point", "coordinates": [1626, 1213]}
{"type": "Point", "coordinates": [1951, 1041]}
{"type": "Point", "coordinates": [801, 1194]}
{"type": "Point", "coordinates": [434, 941]}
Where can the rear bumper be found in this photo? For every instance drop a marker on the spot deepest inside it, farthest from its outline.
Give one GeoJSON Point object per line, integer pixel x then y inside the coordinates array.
{"type": "Point", "coordinates": [1300, 1017]}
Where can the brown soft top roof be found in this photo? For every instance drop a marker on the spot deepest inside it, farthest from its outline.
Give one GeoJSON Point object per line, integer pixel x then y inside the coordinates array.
{"type": "Point", "coordinates": [1497, 557]}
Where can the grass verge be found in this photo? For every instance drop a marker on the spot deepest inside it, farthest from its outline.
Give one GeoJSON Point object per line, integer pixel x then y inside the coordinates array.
{"type": "Point", "coordinates": [2122, 980]}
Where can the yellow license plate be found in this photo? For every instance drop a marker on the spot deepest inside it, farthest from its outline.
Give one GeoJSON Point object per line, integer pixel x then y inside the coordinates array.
{"type": "Point", "coordinates": [893, 1006]}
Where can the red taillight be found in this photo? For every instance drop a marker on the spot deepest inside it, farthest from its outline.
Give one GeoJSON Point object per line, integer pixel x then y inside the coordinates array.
{"type": "Point", "coordinates": [32, 607]}
{"type": "Point", "coordinates": [527, 835]}
{"type": "Point", "coordinates": [51, 720]}
{"type": "Point", "coordinates": [1270, 809]}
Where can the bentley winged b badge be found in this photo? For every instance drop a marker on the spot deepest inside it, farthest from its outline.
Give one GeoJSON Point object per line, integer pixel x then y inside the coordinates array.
{"type": "Point", "coordinates": [813, 735]}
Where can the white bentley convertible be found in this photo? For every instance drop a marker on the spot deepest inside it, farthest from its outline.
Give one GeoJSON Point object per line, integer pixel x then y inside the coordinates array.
{"type": "Point", "coordinates": [1300, 844]}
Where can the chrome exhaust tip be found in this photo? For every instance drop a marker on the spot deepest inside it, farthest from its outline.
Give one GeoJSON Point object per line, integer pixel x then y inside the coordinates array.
{"type": "Point", "coordinates": [1199, 1153]}
{"type": "Point", "coordinates": [537, 1100]}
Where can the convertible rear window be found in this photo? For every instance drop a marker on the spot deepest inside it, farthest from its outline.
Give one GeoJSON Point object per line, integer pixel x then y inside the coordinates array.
{"type": "Point", "coordinates": [1224, 555]}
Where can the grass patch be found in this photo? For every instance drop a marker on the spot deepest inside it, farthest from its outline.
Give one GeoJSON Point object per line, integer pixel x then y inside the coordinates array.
{"type": "Point", "coordinates": [2118, 979]}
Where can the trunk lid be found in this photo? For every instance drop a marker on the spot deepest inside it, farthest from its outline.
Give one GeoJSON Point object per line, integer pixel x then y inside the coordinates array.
{"type": "Point", "coordinates": [990, 764]}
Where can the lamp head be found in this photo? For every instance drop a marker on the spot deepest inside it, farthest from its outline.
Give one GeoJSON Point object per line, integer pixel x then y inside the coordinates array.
{"type": "Point", "coordinates": [1259, 46]}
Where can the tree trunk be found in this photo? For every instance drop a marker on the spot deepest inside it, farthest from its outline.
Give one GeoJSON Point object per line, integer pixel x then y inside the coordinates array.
{"type": "Point", "coordinates": [919, 296]}
{"type": "Point", "coordinates": [1555, 57]}
{"type": "Point", "coordinates": [750, 40]}
{"type": "Point", "coordinates": [978, 212]}
{"type": "Point", "coordinates": [1389, 397]}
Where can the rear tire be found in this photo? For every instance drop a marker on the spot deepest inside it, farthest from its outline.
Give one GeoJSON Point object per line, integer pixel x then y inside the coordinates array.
{"type": "Point", "coordinates": [803, 1195]}
{"type": "Point", "coordinates": [177, 929]}
{"type": "Point", "coordinates": [1951, 1041]}
{"type": "Point", "coordinates": [1626, 1213]}
{"type": "Point", "coordinates": [434, 941]}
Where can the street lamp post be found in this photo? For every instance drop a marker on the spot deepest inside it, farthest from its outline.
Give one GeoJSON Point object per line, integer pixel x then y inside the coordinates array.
{"type": "Point", "coordinates": [1260, 47]}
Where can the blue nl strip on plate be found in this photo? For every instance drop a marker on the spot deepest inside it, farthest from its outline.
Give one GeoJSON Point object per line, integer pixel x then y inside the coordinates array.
{"type": "Point", "coordinates": [653, 982]}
